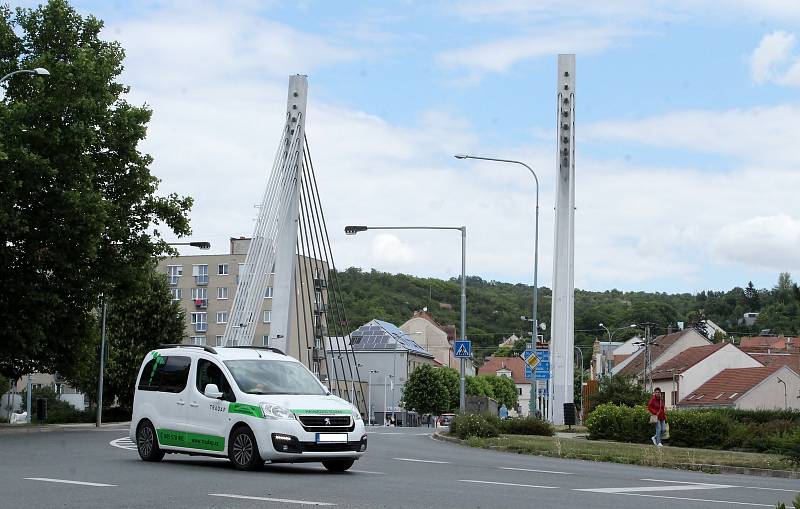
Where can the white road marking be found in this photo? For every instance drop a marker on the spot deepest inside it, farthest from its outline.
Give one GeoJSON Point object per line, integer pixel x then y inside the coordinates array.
{"type": "Point", "coordinates": [636, 489]}
{"type": "Point", "coordinates": [535, 470]}
{"type": "Point", "coordinates": [366, 472]}
{"type": "Point", "coordinates": [509, 484]}
{"type": "Point", "coordinates": [422, 461]}
{"type": "Point", "coordinates": [697, 499]}
{"type": "Point", "coordinates": [707, 484]}
{"type": "Point", "coordinates": [267, 499]}
{"type": "Point", "coordinates": [382, 433]}
{"type": "Point", "coordinates": [123, 443]}
{"type": "Point", "coordinates": [66, 481]}
{"type": "Point", "coordinates": [422, 434]}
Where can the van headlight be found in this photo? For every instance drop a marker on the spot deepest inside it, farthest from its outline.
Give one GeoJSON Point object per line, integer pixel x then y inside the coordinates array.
{"type": "Point", "coordinates": [276, 412]}
{"type": "Point", "coordinates": [356, 414]}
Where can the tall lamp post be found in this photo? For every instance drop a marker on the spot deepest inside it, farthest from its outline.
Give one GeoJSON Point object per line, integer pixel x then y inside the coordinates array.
{"type": "Point", "coordinates": [370, 415]}
{"type": "Point", "coordinates": [611, 333]}
{"type": "Point", "coordinates": [39, 71]}
{"type": "Point", "coordinates": [352, 230]}
{"type": "Point", "coordinates": [535, 235]}
{"type": "Point", "coordinates": [386, 378]}
{"type": "Point", "coordinates": [99, 419]}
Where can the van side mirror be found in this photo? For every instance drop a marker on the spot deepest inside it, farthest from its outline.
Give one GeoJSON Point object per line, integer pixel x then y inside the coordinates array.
{"type": "Point", "coordinates": [212, 391]}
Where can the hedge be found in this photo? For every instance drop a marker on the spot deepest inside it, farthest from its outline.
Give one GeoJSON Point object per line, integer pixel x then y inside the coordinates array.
{"type": "Point", "coordinates": [620, 423]}
{"type": "Point", "coordinates": [474, 425]}
{"type": "Point", "coordinates": [526, 426]}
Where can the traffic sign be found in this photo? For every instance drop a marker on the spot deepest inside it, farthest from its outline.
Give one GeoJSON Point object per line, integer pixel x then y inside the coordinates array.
{"type": "Point", "coordinates": [528, 356]}
{"type": "Point", "coordinates": [463, 349]}
{"type": "Point", "coordinates": [542, 367]}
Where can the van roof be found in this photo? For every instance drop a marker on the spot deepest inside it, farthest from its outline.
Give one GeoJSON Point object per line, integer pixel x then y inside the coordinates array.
{"type": "Point", "coordinates": [228, 353]}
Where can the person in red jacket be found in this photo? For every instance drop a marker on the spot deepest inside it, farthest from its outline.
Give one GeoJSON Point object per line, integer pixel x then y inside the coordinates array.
{"type": "Point", "coordinates": [659, 416]}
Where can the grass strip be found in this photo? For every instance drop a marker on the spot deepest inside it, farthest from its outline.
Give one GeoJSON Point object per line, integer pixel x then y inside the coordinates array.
{"type": "Point", "coordinates": [631, 454]}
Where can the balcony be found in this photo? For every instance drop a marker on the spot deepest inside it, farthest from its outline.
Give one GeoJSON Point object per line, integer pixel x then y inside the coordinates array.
{"type": "Point", "coordinates": [320, 331]}
{"type": "Point", "coordinates": [173, 280]}
{"type": "Point", "coordinates": [319, 284]}
{"type": "Point", "coordinates": [201, 327]}
{"type": "Point", "coordinates": [201, 280]}
{"type": "Point", "coordinates": [320, 307]}
{"type": "Point", "coordinates": [317, 354]}
{"type": "Point", "coordinates": [201, 303]}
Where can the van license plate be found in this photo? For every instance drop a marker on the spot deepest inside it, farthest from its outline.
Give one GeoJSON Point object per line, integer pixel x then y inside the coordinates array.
{"type": "Point", "coordinates": [331, 438]}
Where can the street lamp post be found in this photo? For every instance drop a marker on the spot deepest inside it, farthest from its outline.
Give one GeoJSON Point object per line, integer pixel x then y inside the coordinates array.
{"type": "Point", "coordinates": [99, 418]}
{"type": "Point", "coordinates": [352, 230]}
{"type": "Point", "coordinates": [385, 408]}
{"type": "Point", "coordinates": [370, 415]}
{"type": "Point", "coordinates": [535, 236]}
{"type": "Point", "coordinates": [785, 400]}
{"type": "Point", "coordinates": [39, 71]}
{"type": "Point", "coordinates": [577, 349]}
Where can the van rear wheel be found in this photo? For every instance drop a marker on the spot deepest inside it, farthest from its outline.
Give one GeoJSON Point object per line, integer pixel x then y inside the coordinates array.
{"type": "Point", "coordinates": [243, 450]}
{"type": "Point", "coordinates": [147, 443]}
{"type": "Point", "coordinates": [338, 465]}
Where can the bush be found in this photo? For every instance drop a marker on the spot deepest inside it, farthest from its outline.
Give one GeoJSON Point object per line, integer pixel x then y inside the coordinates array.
{"type": "Point", "coordinates": [697, 428]}
{"type": "Point", "coordinates": [620, 423]}
{"type": "Point", "coordinates": [789, 446]}
{"type": "Point", "coordinates": [474, 425]}
{"type": "Point", "coordinates": [58, 411]}
{"type": "Point", "coordinates": [526, 426]}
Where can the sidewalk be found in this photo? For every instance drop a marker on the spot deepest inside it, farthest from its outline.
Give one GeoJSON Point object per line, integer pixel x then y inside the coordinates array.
{"type": "Point", "coordinates": [6, 428]}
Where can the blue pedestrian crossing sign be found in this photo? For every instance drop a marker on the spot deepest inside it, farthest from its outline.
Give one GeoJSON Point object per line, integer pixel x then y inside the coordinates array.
{"type": "Point", "coordinates": [462, 349]}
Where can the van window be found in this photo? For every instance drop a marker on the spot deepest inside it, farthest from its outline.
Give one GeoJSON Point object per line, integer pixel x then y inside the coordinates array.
{"type": "Point", "coordinates": [148, 381]}
{"type": "Point", "coordinates": [174, 374]}
{"type": "Point", "coordinates": [210, 373]}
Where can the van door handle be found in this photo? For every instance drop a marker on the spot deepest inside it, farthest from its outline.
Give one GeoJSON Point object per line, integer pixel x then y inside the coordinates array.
{"type": "Point", "coordinates": [193, 404]}
{"type": "Point", "coordinates": [181, 402]}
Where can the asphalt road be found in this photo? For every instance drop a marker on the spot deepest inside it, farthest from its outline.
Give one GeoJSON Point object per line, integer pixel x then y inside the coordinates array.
{"type": "Point", "coordinates": [403, 467]}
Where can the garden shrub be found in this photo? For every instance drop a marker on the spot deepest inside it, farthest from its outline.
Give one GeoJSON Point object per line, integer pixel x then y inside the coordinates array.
{"type": "Point", "coordinates": [474, 425]}
{"type": "Point", "coordinates": [620, 423]}
{"type": "Point", "coordinates": [526, 426]}
{"type": "Point", "coordinates": [697, 428]}
{"type": "Point", "coordinates": [789, 446]}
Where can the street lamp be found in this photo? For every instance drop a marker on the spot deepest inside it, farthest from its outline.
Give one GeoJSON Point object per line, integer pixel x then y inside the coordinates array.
{"type": "Point", "coordinates": [39, 71]}
{"type": "Point", "coordinates": [386, 378]}
{"type": "Point", "coordinates": [535, 236]}
{"type": "Point", "coordinates": [785, 401]}
{"type": "Point", "coordinates": [577, 349]}
{"type": "Point", "coordinates": [369, 395]}
{"type": "Point", "coordinates": [200, 245]}
{"type": "Point", "coordinates": [352, 230]}
{"type": "Point", "coordinates": [611, 333]}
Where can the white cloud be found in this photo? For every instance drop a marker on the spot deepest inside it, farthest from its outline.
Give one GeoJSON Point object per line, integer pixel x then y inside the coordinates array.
{"type": "Point", "coordinates": [770, 242]}
{"type": "Point", "coordinates": [388, 249]}
{"type": "Point", "coordinates": [773, 51]}
{"type": "Point", "coordinates": [501, 54]}
{"type": "Point", "coordinates": [765, 135]}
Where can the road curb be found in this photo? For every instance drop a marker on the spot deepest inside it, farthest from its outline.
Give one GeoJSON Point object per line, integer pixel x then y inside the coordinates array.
{"type": "Point", "coordinates": [703, 467]}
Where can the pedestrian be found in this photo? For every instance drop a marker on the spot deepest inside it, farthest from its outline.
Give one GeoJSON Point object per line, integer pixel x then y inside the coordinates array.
{"type": "Point", "coordinates": [657, 415]}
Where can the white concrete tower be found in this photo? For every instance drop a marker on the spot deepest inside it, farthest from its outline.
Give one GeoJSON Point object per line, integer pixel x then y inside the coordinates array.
{"type": "Point", "coordinates": [562, 321]}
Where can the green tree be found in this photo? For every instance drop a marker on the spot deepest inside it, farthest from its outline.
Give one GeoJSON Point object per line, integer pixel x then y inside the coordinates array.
{"type": "Point", "coordinates": [619, 390]}
{"type": "Point", "coordinates": [426, 391]}
{"type": "Point", "coordinates": [139, 319]}
{"type": "Point", "coordinates": [478, 386]}
{"type": "Point", "coordinates": [504, 389]}
{"type": "Point", "coordinates": [78, 202]}
{"type": "Point", "coordinates": [753, 300]}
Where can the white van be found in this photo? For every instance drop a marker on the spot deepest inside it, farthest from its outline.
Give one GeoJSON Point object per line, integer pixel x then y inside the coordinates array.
{"type": "Point", "coordinates": [249, 404]}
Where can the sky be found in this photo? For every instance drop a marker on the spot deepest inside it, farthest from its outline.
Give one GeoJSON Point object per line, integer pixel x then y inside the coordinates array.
{"type": "Point", "coordinates": [687, 146]}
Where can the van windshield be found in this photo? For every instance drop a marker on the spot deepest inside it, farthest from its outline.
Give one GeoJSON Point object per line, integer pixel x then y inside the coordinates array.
{"type": "Point", "coordinates": [259, 376]}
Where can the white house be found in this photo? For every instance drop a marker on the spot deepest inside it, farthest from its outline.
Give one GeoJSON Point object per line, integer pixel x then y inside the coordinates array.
{"type": "Point", "coordinates": [662, 350]}
{"type": "Point", "coordinates": [764, 388]}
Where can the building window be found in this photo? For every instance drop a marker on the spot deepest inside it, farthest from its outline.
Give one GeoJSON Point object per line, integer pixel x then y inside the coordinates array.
{"type": "Point", "coordinates": [219, 340]}
{"type": "Point", "coordinates": [197, 340]}
{"type": "Point", "coordinates": [674, 396]}
{"type": "Point", "coordinates": [199, 293]}
{"type": "Point", "coordinates": [519, 391]}
{"type": "Point", "coordinates": [174, 272]}
{"type": "Point", "coordinates": [265, 340]}
{"type": "Point", "coordinates": [267, 316]}
{"type": "Point", "coordinates": [222, 317]}
{"type": "Point", "coordinates": [268, 293]}
{"type": "Point", "coordinates": [200, 273]}
{"type": "Point", "coordinates": [222, 269]}
{"type": "Point", "coordinates": [200, 321]}
{"type": "Point", "coordinates": [222, 293]}
{"type": "Point", "coordinates": [177, 293]}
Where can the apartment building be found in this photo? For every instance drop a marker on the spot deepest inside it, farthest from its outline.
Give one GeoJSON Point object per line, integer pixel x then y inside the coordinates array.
{"type": "Point", "coordinates": [205, 285]}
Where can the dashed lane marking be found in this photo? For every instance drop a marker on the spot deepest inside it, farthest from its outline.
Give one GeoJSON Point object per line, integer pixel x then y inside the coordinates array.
{"type": "Point", "coordinates": [744, 487]}
{"type": "Point", "coordinates": [268, 499]}
{"type": "Point", "coordinates": [535, 470]}
{"type": "Point", "coordinates": [509, 484]}
{"type": "Point", "coordinates": [67, 481]}
{"type": "Point", "coordinates": [672, 487]}
{"type": "Point", "coordinates": [366, 472]}
{"type": "Point", "coordinates": [422, 461]}
{"type": "Point", "coordinates": [123, 443]}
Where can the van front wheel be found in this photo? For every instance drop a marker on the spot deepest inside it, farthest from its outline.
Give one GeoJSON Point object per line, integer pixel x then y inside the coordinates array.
{"type": "Point", "coordinates": [147, 443]}
{"type": "Point", "coordinates": [243, 450]}
{"type": "Point", "coordinates": [338, 465]}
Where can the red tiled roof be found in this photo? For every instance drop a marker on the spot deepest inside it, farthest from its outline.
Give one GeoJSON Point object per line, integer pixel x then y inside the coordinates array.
{"type": "Point", "coordinates": [727, 386]}
{"type": "Point", "coordinates": [636, 366]}
{"type": "Point", "coordinates": [515, 364]}
{"type": "Point", "coordinates": [757, 342]}
{"type": "Point", "coordinates": [685, 360]}
{"type": "Point", "coordinates": [791, 360]}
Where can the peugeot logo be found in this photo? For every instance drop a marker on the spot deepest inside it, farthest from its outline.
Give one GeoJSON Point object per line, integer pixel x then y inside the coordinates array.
{"type": "Point", "coordinates": [327, 421]}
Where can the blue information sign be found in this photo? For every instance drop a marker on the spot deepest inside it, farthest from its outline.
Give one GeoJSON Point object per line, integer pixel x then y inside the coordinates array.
{"type": "Point", "coordinates": [543, 368]}
{"type": "Point", "coordinates": [462, 349]}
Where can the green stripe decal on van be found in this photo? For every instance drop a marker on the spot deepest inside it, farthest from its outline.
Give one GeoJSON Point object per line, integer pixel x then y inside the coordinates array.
{"type": "Point", "coordinates": [321, 412]}
{"type": "Point", "coordinates": [244, 408]}
{"type": "Point", "coordinates": [190, 440]}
